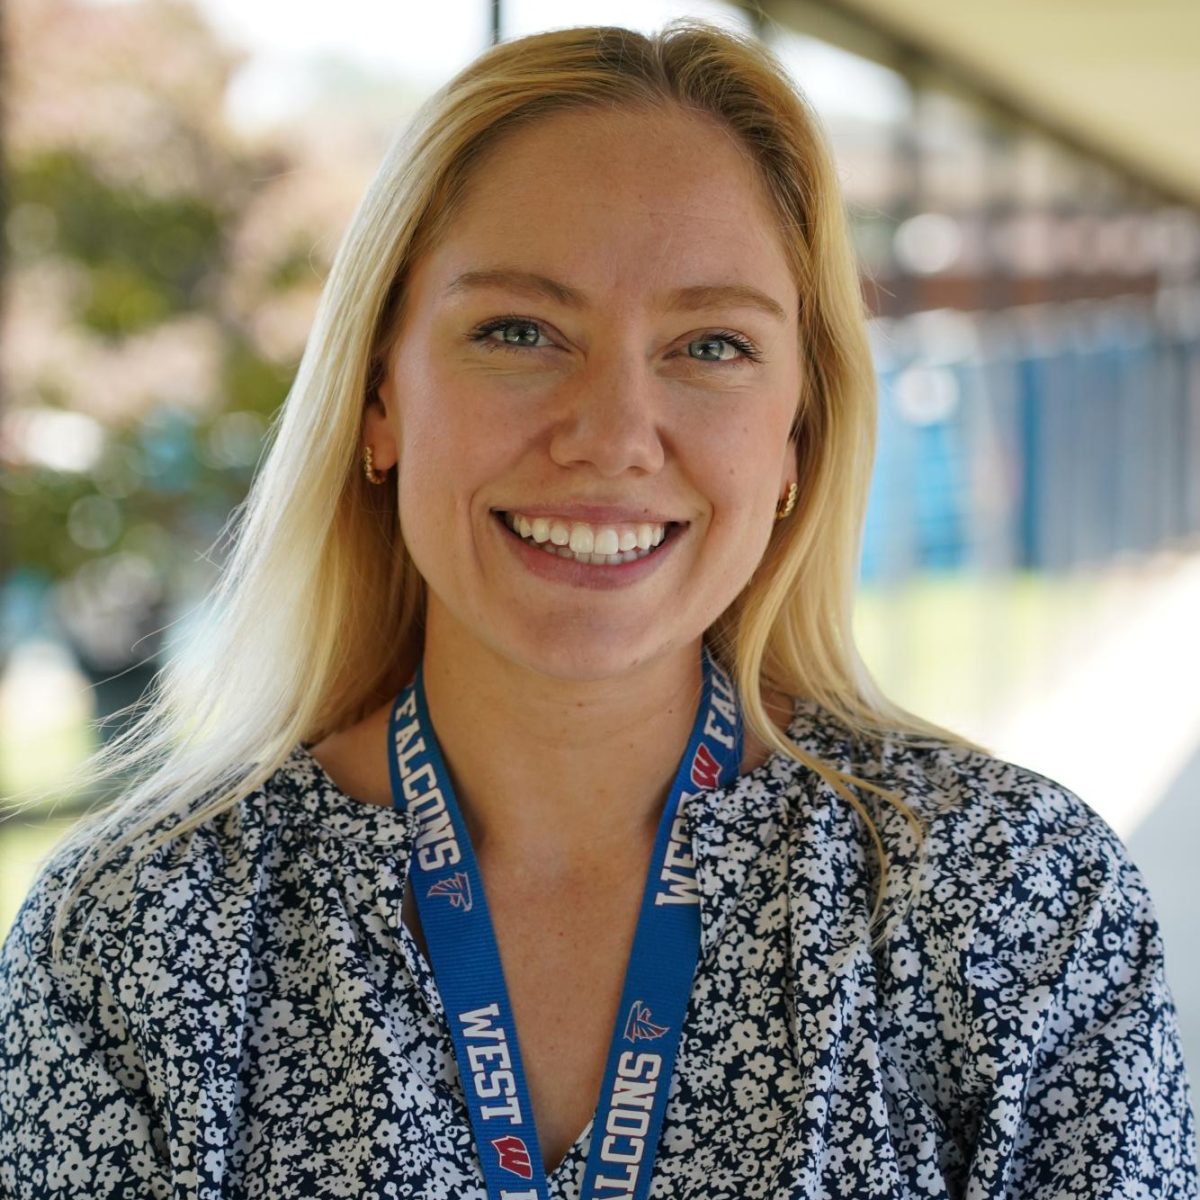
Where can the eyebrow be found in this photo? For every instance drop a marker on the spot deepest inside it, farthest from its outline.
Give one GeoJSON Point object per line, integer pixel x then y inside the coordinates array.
{"type": "Point", "coordinates": [687, 299]}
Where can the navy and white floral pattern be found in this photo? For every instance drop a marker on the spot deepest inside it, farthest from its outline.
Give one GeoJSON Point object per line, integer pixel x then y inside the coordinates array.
{"type": "Point", "coordinates": [244, 1014]}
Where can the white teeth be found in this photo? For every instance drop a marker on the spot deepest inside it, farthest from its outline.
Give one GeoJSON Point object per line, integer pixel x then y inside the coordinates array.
{"type": "Point", "coordinates": [602, 545]}
{"type": "Point", "coordinates": [582, 541]}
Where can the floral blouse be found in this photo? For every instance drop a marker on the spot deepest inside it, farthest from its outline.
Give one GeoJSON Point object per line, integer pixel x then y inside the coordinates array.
{"type": "Point", "coordinates": [243, 1014]}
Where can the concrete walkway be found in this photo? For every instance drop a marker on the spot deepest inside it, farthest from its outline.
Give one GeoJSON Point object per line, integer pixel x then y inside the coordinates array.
{"type": "Point", "coordinates": [1119, 718]}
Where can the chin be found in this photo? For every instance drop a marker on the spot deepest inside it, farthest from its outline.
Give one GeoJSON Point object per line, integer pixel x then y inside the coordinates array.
{"type": "Point", "coordinates": [592, 655]}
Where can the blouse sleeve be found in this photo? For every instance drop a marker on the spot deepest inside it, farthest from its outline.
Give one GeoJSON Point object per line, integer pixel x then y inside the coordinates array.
{"type": "Point", "coordinates": [1089, 1097]}
{"type": "Point", "coordinates": [76, 1118]}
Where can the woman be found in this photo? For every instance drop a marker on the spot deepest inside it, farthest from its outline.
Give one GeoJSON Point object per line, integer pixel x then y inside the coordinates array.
{"type": "Point", "coordinates": [576, 853]}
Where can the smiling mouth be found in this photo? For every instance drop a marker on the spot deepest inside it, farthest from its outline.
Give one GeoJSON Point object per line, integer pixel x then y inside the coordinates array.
{"type": "Point", "coordinates": [583, 542]}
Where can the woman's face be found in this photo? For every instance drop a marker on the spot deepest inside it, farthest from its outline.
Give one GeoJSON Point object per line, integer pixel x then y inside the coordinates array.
{"type": "Point", "coordinates": [604, 352]}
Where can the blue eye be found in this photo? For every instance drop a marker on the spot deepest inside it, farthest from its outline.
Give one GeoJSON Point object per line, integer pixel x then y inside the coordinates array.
{"type": "Point", "coordinates": [714, 341]}
{"type": "Point", "coordinates": [527, 333]}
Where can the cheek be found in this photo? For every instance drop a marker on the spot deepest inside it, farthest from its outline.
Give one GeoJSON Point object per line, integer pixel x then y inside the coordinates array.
{"type": "Point", "coordinates": [453, 443]}
{"type": "Point", "coordinates": [744, 469]}
{"type": "Point", "coordinates": [429, 419]}
{"type": "Point", "coordinates": [427, 437]}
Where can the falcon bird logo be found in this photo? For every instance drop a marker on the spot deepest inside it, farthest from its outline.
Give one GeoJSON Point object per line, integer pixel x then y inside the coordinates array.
{"type": "Point", "coordinates": [639, 1027]}
{"type": "Point", "coordinates": [457, 887]}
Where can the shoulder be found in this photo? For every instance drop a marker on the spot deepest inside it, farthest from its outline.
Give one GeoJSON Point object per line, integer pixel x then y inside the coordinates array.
{"type": "Point", "coordinates": [1018, 985]}
{"type": "Point", "coordinates": [131, 877]}
{"type": "Point", "coordinates": [1006, 840]}
{"type": "Point", "coordinates": [952, 788]}
{"type": "Point", "coordinates": [154, 924]}
{"type": "Point", "coordinates": [978, 808]}
{"type": "Point", "coordinates": [198, 878]}
{"type": "Point", "coordinates": [977, 836]}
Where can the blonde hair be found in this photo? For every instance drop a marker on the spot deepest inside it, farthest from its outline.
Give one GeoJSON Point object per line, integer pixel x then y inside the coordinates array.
{"type": "Point", "coordinates": [318, 578]}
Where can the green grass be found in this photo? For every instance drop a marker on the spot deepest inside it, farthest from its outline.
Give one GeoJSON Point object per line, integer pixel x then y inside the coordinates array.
{"type": "Point", "coordinates": [39, 764]}
{"type": "Point", "coordinates": [33, 772]}
{"type": "Point", "coordinates": [23, 846]}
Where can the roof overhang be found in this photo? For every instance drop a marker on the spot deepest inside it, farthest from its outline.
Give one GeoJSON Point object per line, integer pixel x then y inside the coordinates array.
{"type": "Point", "coordinates": [1118, 80]}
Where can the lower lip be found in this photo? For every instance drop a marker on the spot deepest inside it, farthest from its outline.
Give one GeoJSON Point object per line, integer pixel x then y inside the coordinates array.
{"type": "Point", "coordinates": [600, 576]}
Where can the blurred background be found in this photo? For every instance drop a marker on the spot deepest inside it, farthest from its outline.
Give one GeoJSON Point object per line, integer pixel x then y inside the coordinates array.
{"type": "Point", "coordinates": [1023, 182]}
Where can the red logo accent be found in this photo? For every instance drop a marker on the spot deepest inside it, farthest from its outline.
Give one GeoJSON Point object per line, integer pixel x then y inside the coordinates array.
{"type": "Point", "coordinates": [705, 770]}
{"type": "Point", "coordinates": [514, 1155]}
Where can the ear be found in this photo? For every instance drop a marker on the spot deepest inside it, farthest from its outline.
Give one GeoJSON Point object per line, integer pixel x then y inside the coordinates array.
{"type": "Point", "coordinates": [381, 425]}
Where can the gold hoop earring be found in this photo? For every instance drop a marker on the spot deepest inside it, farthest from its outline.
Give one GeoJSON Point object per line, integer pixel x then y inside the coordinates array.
{"type": "Point", "coordinates": [372, 475]}
{"type": "Point", "coordinates": [787, 503]}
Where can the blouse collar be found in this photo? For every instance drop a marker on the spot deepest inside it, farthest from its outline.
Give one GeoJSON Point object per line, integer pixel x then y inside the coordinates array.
{"type": "Point", "coordinates": [732, 827]}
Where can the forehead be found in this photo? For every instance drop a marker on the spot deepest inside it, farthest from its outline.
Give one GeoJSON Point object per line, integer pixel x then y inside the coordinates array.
{"type": "Point", "coordinates": [619, 200]}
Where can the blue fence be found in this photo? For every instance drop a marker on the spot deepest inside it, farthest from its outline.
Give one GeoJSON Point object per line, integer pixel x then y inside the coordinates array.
{"type": "Point", "coordinates": [1040, 438]}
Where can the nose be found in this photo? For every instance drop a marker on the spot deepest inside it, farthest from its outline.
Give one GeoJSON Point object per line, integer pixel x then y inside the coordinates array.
{"type": "Point", "coordinates": [608, 419]}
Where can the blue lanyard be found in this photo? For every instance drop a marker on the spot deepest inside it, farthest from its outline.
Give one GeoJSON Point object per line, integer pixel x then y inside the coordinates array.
{"type": "Point", "coordinates": [466, 960]}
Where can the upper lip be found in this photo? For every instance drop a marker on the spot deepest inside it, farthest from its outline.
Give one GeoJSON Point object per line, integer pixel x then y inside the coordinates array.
{"type": "Point", "coordinates": [595, 514]}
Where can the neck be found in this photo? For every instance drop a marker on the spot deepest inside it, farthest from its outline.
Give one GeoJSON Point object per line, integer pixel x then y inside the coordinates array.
{"type": "Point", "coordinates": [551, 770]}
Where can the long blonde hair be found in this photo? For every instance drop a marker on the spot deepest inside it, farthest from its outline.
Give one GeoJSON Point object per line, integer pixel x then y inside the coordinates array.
{"type": "Point", "coordinates": [318, 578]}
